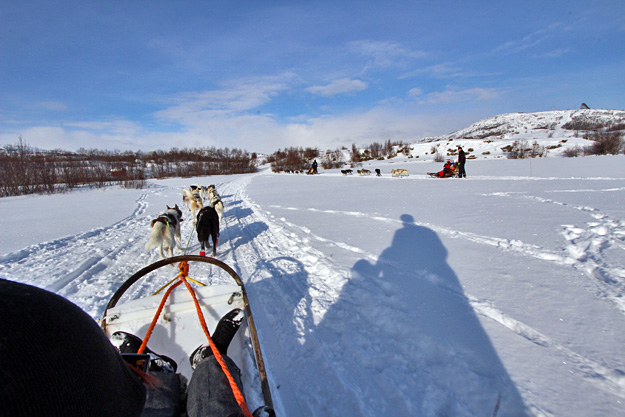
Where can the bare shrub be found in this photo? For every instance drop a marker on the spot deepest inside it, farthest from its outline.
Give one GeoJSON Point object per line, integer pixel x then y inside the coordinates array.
{"type": "Point", "coordinates": [573, 152]}
{"type": "Point", "coordinates": [604, 143]}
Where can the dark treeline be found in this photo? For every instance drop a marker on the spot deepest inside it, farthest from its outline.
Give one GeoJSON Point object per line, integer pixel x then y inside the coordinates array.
{"type": "Point", "coordinates": [24, 170]}
{"type": "Point", "coordinates": [292, 159]}
{"type": "Point", "coordinates": [300, 159]}
{"type": "Point", "coordinates": [378, 151]}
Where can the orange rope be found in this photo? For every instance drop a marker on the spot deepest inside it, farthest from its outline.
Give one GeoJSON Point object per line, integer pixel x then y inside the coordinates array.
{"type": "Point", "coordinates": [182, 275]}
{"type": "Point", "coordinates": [238, 395]}
{"type": "Point", "coordinates": [156, 316]}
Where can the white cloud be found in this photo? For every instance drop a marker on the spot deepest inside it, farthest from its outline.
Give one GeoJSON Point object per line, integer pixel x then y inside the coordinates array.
{"type": "Point", "coordinates": [52, 105]}
{"type": "Point", "coordinates": [385, 54]}
{"type": "Point", "coordinates": [455, 96]}
{"type": "Point", "coordinates": [528, 41]}
{"type": "Point", "coordinates": [233, 98]}
{"type": "Point", "coordinates": [342, 86]}
{"type": "Point", "coordinates": [415, 92]}
{"type": "Point", "coordinates": [556, 53]}
{"type": "Point", "coordinates": [252, 132]}
{"type": "Point", "coordinates": [442, 70]}
{"type": "Point", "coordinates": [115, 127]}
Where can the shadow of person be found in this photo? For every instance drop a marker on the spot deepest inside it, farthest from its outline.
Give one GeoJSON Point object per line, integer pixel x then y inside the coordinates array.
{"type": "Point", "coordinates": [403, 339]}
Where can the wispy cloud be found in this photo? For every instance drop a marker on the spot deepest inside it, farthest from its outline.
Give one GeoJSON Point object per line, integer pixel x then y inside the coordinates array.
{"type": "Point", "coordinates": [113, 127]}
{"type": "Point", "coordinates": [527, 41]}
{"type": "Point", "coordinates": [442, 70]}
{"type": "Point", "coordinates": [452, 95]}
{"type": "Point", "coordinates": [234, 97]}
{"type": "Point", "coordinates": [385, 54]}
{"type": "Point", "coordinates": [342, 86]}
{"type": "Point", "coordinates": [556, 53]}
{"type": "Point", "coordinates": [415, 92]}
{"type": "Point", "coordinates": [52, 105]}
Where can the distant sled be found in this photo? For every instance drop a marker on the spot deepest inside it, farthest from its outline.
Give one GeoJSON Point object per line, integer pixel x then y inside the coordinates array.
{"type": "Point", "coordinates": [177, 331]}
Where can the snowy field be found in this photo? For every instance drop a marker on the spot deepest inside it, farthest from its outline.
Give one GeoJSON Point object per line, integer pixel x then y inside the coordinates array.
{"type": "Point", "coordinates": [386, 296]}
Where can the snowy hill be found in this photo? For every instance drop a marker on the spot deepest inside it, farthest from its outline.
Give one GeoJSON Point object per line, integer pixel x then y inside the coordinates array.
{"type": "Point", "coordinates": [555, 130]}
{"type": "Point", "coordinates": [561, 124]}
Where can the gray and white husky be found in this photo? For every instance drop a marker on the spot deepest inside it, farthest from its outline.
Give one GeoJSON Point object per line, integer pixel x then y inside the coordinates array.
{"type": "Point", "coordinates": [166, 232]}
{"type": "Point", "coordinates": [215, 202]}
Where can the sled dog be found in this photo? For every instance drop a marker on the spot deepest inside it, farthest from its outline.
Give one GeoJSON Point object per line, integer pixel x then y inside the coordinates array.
{"type": "Point", "coordinates": [214, 200]}
{"type": "Point", "coordinates": [203, 191]}
{"type": "Point", "coordinates": [346, 171]}
{"type": "Point", "coordinates": [207, 226]}
{"type": "Point", "coordinates": [166, 232]}
{"type": "Point", "coordinates": [192, 199]}
{"type": "Point", "coordinates": [399, 172]}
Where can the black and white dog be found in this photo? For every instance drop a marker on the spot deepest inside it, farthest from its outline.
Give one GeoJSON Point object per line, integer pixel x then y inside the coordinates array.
{"type": "Point", "coordinates": [166, 231]}
{"type": "Point", "coordinates": [207, 225]}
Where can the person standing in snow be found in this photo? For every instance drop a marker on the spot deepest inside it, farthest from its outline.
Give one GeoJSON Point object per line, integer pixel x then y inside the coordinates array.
{"type": "Point", "coordinates": [314, 167]}
{"type": "Point", "coordinates": [462, 159]}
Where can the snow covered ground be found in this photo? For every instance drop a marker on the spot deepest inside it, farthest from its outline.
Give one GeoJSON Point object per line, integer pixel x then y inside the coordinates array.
{"type": "Point", "coordinates": [386, 296]}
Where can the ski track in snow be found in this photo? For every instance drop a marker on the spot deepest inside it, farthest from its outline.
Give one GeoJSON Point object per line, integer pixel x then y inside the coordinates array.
{"type": "Point", "coordinates": [586, 247]}
{"type": "Point", "coordinates": [99, 272]}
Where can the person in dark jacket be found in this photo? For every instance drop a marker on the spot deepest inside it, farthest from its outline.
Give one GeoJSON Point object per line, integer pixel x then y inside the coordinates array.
{"type": "Point", "coordinates": [462, 159]}
{"type": "Point", "coordinates": [56, 361]}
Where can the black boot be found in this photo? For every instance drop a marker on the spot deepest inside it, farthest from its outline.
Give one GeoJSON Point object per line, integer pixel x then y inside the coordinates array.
{"type": "Point", "coordinates": [223, 335]}
{"type": "Point", "coordinates": [129, 343]}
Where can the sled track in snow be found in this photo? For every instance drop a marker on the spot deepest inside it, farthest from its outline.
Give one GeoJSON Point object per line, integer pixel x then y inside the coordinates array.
{"type": "Point", "coordinates": [584, 252]}
{"type": "Point", "coordinates": [587, 247]}
{"type": "Point", "coordinates": [54, 263]}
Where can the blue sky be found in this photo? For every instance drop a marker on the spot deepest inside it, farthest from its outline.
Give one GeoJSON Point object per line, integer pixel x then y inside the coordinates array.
{"type": "Point", "coordinates": [263, 75]}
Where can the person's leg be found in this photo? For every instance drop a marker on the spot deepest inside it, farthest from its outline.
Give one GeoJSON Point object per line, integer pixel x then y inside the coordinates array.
{"type": "Point", "coordinates": [209, 393]}
{"type": "Point", "coordinates": [165, 399]}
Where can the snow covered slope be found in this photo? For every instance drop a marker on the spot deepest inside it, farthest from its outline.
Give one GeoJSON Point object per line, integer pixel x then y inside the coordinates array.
{"type": "Point", "coordinates": [557, 131]}
{"type": "Point", "coordinates": [541, 125]}
{"type": "Point", "coordinates": [389, 296]}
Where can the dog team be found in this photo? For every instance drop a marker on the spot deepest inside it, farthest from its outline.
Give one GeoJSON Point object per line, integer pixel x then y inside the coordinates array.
{"type": "Point", "coordinates": [165, 232]}
{"type": "Point", "coordinates": [378, 173]}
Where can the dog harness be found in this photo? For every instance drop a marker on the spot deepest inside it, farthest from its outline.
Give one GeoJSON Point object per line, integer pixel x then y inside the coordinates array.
{"type": "Point", "coordinates": [168, 219]}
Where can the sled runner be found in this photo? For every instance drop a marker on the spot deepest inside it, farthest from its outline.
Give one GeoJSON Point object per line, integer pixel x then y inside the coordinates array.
{"type": "Point", "coordinates": [170, 319]}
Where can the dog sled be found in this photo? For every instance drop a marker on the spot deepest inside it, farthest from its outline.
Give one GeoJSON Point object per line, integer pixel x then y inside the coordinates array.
{"type": "Point", "coordinates": [172, 319]}
{"type": "Point", "coordinates": [450, 170]}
